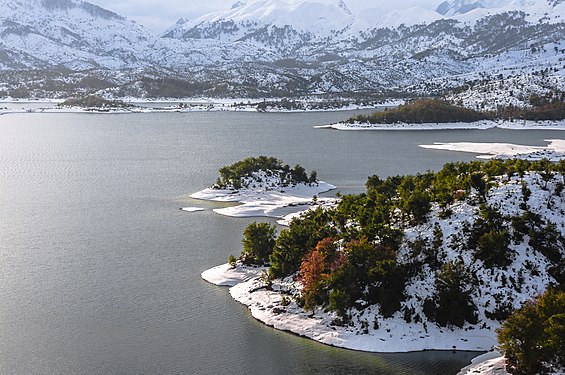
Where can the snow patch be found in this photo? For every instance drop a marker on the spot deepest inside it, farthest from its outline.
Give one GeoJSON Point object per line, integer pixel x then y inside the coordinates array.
{"type": "Point", "coordinates": [555, 150]}
{"type": "Point", "coordinates": [491, 363]}
{"type": "Point", "coordinates": [477, 125]}
{"type": "Point", "coordinates": [227, 275]}
{"type": "Point", "coordinates": [192, 209]}
{"type": "Point", "coordinates": [265, 198]}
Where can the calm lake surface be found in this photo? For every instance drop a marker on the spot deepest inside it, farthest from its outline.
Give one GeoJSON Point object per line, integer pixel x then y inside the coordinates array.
{"type": "Point", "coordinates": [100, 270]}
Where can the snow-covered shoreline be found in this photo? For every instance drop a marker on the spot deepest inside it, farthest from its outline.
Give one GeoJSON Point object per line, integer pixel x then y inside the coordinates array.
{"type": "Point", "coordinates": [491, 363]}
{"type": "Point", "coordinates": [262, 201]}
{"type": "Point", "coordinates": [181, 105]}
{"type": "Point", "coordinates": [394, 335]}
{"type": "Point", "coordinates": [555, 150]}
{"type": "Point", "coordinates": [274, 304]}
{"type": "Point", "coordinates": [478, 125]}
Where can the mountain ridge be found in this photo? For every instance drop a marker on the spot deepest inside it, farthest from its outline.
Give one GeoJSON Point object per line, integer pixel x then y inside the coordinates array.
{"type": "Point", "coordinates": [262, 53]}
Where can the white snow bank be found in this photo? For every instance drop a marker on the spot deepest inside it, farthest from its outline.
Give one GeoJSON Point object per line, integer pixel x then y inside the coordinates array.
{"type": "Point", "coordinates": [391, 335]}
{"type": "Point", "coordinates": [555, 150]}
{"type": "Point", "coordinates": [226, 275]}
{"type": "Point", "coordinates": [323, 203]}
{"type": "Point", "coordinates": [478, 125]}
{"type": "Point", "coordinates": [491, 363]}
{"type": "Point", "coordinates": [263, 199]}
{"type": "Point", "coordinates": [192, 209]}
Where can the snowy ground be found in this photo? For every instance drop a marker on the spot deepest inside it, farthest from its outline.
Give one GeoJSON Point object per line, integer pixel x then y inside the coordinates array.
{"type": "Point", "coordinates": [477, 125]}
{"type": "Point", "coordinates": [555, 150]}
{"type": "Point", "coordinates": [506, 89]}
{"type": "Point", "coordinates": [192, 209]}
{"type": "Point", "coordinates": [262, 199]}
{"type": "Point", "coordinates": [226, 275]}
{"type": "Point", "coordinates": [491, 363]}
{"type": "Point", "coordinates": [276, 309]}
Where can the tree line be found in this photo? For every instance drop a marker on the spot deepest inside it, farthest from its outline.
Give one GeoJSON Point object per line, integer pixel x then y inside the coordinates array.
{"type": "Point", "coordinates": [441, 111]}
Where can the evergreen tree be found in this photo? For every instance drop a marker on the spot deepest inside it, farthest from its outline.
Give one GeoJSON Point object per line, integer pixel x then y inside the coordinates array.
{"type": "Point", "coordinates": [452, 305]}
{"type": "Point", "coordinates": [258, 242]}
{"type": "Point", "coordinates": [533, 337]}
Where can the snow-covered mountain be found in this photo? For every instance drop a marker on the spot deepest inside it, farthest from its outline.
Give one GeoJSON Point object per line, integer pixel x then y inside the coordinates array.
{"type": "Point", "coordinates": [317, 17]}
{"type": "Point", "coordinates": [280, 47]}
{"type": "Point", "coordinates": [332, 18]}
{"type": "Point", "coordinates": [68, 33]}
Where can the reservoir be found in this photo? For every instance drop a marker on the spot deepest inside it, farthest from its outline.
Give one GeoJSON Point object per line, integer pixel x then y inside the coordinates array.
{"type": "Point", "coordinates": [100, 269]}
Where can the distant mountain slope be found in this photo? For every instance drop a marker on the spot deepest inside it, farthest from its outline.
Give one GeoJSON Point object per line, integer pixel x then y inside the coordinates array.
{"type": "Point", "coordinates": [279, 48]}
{"type": "Point", "coordinates": [70, 33]}
{"type": "Point", "coordinates": [322, 19]}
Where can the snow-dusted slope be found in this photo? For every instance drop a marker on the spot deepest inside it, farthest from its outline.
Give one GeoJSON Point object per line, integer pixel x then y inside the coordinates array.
{"type": "Point", "coordinates": [319, 16]}
{"type": "Point", "coordinates": [549, 10]}
{"type": "Point", "coordinates": [495, 290]}
{"type": "Point", "coordinates": [71, 33]}
{"type": "Point", "coordinates": [326, 18]}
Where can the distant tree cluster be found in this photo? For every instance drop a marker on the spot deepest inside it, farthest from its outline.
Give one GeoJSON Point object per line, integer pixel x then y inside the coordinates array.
{"type": "Point", "coordinates": [442, 111]}
{"type": "Point", "coordinates": [234, 175]}
{"type": "Point", "coordinates": [319, 105]}
{"type": "Point", "coordinates": [541, 110]}
{"type": "Point", "coordinates": [94, 102]}
{"type": "Point", "coordinates": [552, 97]}
{"type": "Point", "coordinates": [422, 111]}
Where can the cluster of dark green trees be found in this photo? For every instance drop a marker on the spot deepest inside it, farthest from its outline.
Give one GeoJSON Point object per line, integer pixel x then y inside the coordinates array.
{"type": "Point", "coordinates": [442, 111]}
{"type": "Point", "coordinates": [553, 111]}
{"type": "Point", "coordinates": [290, 104]}
{"type": "Point", "coordinates": [233, 175]}
{"type": "Point", "coordinates": [422, 111]}
{"type": "Point", "coordinates": [533, 337]}
{"type": "Point", "coordinates": [347, 257]}
{"type": "Point", "coordinates": [94, 102]}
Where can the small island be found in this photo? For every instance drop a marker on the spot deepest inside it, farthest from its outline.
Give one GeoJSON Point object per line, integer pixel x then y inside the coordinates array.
{"type": "Point", "coordinates": [433, 261]}
{"type": "Point", "coordinates": [435, 114]}
{"type": "Point", "coordinates": [264, 186]}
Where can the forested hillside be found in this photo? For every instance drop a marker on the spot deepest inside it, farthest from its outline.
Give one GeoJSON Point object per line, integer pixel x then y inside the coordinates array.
{"type": "Point", "coordinates": [460, 248]}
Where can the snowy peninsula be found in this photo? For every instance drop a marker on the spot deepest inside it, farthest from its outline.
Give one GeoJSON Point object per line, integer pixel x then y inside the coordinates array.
{"type": "Point", "coordinates": [476, 125]}
{"type": "Point", "coordinates": [494, 244]}
{"type": "Point", "coordinates": [438, 114]}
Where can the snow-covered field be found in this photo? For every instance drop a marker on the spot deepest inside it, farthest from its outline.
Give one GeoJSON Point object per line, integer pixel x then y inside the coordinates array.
{"type": "Point", "coordinates": [192, 209]}
{"type": "Point", "coordinates": [512, 90]}
{"type": "Point", "coordinates": [226, 275]}
{"type": "Point", "coordinates": [478, 125]}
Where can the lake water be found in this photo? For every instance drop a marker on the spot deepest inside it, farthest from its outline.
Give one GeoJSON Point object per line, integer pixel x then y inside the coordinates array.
{"type": "Point", "coordinates": [100, 270]}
